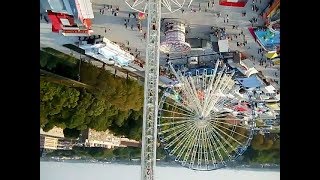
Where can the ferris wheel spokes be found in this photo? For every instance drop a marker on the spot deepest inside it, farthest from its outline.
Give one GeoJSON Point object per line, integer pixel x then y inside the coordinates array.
{"type": "Point", "coordinates": [215, 136]}
{"type": "Point", "coordinates": [171, 5]}
{"type": "Point", "coordinates": [226, 141]}
{"type": "Point", "coordinates": [183, 142]}
{"type": "Point", "coordinates": [175, 122]}
{"type": "Point", "coordinates": [176, 139]}
{"type": "Point", "coordinates": [184, 110]}
{"type": "Point", "coordinates": [183, 138]}
{"type": "Point", "coordinates": [188, 115]}
{"type": "Point", "coordinates": [214, 127]}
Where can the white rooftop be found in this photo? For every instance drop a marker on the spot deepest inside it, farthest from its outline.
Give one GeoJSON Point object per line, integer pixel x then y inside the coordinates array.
{"type": "Point", "coordinates": [85, 8]}
{"type": "Point", "coordinates": [269, 89]}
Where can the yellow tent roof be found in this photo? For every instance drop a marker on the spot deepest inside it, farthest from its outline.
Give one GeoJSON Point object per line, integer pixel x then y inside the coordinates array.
{"type": "Point", "coordinates": [273, 106]}
{"type": "Point", "coordinates": [271, 55]}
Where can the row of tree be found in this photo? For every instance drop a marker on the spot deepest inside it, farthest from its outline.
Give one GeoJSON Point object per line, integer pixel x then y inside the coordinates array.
{"type": "Point", "coordinates": [263, 149]}
{"type": "Point", "coordinates": [114, 103]}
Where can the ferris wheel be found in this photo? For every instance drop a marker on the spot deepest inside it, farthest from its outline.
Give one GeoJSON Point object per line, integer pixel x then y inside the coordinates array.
{"type": "Point", "coordinates": [204, 122]}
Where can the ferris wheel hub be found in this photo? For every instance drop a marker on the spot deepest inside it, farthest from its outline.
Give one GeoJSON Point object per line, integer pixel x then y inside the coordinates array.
{"type": "Point", "coordinates": [201, 122]}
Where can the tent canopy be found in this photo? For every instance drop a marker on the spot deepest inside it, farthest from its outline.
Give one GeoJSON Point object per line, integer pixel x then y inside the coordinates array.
{"type": "Point", "coordinates": [223, 45]}
{"type": "Point", "coordinates": [271, 55]}
{"type": "Point", "coordinates": [269, 89]}
{"type": "Point", "coordinates": [250, 82]}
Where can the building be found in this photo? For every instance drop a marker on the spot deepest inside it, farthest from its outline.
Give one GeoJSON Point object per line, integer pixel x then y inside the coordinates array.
{"type": "Point", "coordinates": [269, 37]}
{"type": "Point", "coordinates": [47, 142]}
{"type": "Point", "coordinates": [54, 139]}
{"type": "Point", "coordinates": [93, 138]}
{"type": "Point", "coordinates": [69, 17]}
{"type": "Point", "coordinates": [104, 139]}
{"type": "Point", "coordinates": [54, 132]}
{"type": "Point", "coordinates": [65, 144]}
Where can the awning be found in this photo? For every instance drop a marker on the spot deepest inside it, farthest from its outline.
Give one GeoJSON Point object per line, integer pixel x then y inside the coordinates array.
{"type": "Point", "coordinates": [271, 54]}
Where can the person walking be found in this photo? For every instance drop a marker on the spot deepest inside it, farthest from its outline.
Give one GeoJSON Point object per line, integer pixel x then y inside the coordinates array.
{"type": "Point", "coordinates": [132, 27]}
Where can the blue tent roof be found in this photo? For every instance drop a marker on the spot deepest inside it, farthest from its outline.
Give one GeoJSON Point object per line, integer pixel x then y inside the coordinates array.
{"type": "Point", "coordinates": [250, 82]}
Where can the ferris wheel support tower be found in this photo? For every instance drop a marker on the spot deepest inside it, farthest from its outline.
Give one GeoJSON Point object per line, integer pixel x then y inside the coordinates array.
{"type": "Point", "coordinates": [150, 109]}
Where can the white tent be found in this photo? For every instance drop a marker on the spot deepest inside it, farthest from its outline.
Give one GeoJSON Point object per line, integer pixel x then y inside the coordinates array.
{"type": "Point", "coordinates": [269, 89]}
{"type": "Point", "coordinates": [250, 69]}
{"type": "Point", "coordinates": [223, 45]}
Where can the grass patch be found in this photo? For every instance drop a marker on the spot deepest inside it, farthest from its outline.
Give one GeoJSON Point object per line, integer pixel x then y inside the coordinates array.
{"type": "Point", "coordinates": [59, 63]}
{"type": "Point", "coordinates": [48, 76]}
{"type": "Point", "coordinates": [61, 55]}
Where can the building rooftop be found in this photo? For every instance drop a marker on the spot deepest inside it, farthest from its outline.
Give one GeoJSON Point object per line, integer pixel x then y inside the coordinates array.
{"type": "Point", "coordinates": [55, 132]}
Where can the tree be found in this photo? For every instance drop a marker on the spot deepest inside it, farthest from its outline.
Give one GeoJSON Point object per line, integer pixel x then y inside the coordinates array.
{"type": "Point", "coordinates": [115, 104]}
{"type": "Point", "coordinates": [71, 133]}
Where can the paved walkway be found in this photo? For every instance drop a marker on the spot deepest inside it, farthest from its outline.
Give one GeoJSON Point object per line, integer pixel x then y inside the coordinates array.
{"type": "Point", "coordinates": [200, 24]}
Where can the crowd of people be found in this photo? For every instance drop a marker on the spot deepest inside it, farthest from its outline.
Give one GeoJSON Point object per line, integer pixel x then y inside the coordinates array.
{"type": "Point", "coordinates": [238, 38]}
{"type": "Point", "coordinates": [131, 22]}
{"type": "Point", "coordinates": [114, 10]}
